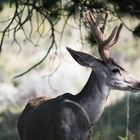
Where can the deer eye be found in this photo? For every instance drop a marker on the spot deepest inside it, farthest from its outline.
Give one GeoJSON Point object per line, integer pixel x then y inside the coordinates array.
{"type": "Point", "coordinates": [115, 70]}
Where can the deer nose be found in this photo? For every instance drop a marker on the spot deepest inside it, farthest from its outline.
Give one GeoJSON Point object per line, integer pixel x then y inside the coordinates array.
{"type": "Point", "coordinates": [136, 86]}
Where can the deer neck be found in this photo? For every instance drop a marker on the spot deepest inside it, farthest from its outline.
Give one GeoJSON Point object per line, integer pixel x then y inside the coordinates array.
{"type": "Point", "coordinates": [93, 96]}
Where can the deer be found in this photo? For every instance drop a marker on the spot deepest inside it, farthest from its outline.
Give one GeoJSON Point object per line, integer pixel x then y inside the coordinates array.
{"type": "Point", "coordinates": [74, 116]}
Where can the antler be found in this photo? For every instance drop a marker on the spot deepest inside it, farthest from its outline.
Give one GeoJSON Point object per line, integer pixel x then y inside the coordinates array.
{"type": "Point", "coordinates": [104, 44]}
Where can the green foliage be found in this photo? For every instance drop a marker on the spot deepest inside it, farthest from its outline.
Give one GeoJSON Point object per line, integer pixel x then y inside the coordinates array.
{"type": "Point", "coordinates": [49, 4]}
{"type": "Point", "coordinates": [113, 122]}
{"type": "Point", "coordinates": [89, 38]}
{"type": "Point", "coordinates": [137, 31]}
{"type": "Point", "coordinates": [53, 8]}
{"type": "Point", "coordinates": [8, 130]}
{"type": "Point", "coordinates": [129, 7]}
{"type": "Point", "coordinates": [96, 136]}
{"type": "Point", "coordinates": [71, 8]}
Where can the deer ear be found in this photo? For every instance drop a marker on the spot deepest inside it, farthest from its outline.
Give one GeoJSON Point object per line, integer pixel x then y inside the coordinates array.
{"type": "Point", "coordinates": [84, 59]}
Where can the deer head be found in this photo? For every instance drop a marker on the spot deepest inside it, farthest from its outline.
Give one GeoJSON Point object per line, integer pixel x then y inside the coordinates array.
{"type": "Point", "coordinates": [110, 73]}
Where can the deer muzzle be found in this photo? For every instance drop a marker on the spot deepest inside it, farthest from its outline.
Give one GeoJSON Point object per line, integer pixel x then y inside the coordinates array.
{"type": "Point", "coordinates": [134, 85]}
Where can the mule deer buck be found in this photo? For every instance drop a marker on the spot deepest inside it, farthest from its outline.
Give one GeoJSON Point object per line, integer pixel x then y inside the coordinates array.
{"type": "Point", "coordinates": [72, 117]}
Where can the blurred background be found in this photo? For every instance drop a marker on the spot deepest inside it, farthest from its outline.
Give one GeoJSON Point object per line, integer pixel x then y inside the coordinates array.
{"type": "Point", "coordinates": [34, 61]}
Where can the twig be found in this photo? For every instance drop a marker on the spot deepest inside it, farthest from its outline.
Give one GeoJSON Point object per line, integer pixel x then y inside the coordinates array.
{"type": "Point", "coordinates": [38, 63]}
{"type": "Point", "coordinates": [121, 19]}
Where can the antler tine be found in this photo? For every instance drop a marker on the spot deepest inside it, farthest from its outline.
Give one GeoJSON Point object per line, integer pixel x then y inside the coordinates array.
{"type": "Point", "coordinates": [111, 38]}
{"type": "Point", "coordinates": [90, 17]}
{"type": "Point", "coordinates": [98, 33]}
{"type": "Point", "coordinates": [103, 28]}
{"type": "Point", "coordinates": [94, 25]}
{"type": "Point", "coordinates": [117, 35]}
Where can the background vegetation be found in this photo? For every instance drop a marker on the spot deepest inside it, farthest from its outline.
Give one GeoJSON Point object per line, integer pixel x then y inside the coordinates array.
{"type": "Point", "coordinates": [34, 34]}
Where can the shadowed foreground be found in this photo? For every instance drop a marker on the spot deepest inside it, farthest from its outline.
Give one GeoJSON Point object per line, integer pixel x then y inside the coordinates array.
{"type": "Point", "coordinates": [111, 125]}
